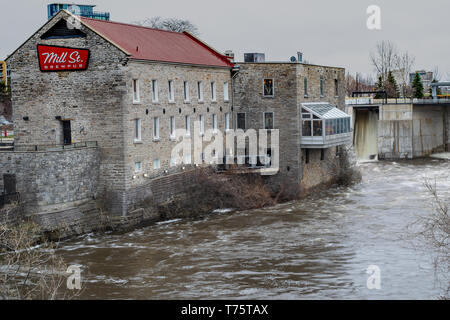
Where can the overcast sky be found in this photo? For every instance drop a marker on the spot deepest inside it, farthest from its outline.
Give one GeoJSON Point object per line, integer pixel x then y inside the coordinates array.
{"type": "Point", "coordinates": [329, 32]}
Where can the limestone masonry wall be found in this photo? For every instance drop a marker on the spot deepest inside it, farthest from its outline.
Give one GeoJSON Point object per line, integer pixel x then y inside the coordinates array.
{"type": "Point", "coordinates": [45, 179]}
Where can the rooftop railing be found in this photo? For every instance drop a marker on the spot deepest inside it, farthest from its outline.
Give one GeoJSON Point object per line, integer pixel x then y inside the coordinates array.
{"type": "Point", "coordinates": [371, 101]}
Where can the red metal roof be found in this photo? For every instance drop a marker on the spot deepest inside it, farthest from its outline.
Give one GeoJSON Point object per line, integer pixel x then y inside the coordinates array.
{"type": "Point", "coordinates": [158, 45]}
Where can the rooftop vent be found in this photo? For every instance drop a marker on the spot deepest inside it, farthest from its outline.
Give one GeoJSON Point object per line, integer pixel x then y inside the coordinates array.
{"type": "Point", "coordinates": [254, 57]}
{"type": "Point", "coordinates": [300, 57]}
{"type": "Point", "coordinates": [230, 55]}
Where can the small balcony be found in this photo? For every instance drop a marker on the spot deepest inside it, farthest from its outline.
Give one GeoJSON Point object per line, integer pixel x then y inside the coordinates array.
{"type": "Point", "coordinates": [324, 126]}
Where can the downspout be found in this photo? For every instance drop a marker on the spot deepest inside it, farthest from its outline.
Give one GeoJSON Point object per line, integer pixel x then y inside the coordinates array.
{"type": "Point", "coordinates": [234, 73]}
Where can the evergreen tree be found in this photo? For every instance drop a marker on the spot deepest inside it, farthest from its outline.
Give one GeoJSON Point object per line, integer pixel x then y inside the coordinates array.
{"type": "Point", "coordinates": [417, 87]}
{"type": "Point", "coordinates": [391, 86]}
{"type": "Point", "coordinates": [379, 87]}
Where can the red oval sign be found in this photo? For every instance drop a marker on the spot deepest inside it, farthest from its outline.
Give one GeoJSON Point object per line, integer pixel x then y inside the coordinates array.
{"type": "Point", "coordinates": [54, 58]}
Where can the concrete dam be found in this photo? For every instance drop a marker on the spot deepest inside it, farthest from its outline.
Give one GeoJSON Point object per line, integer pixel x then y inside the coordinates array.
{"type": "Point", "coordinates": [400, 130]}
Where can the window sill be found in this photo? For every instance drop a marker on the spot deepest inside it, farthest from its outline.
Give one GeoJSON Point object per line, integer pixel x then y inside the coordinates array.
{"type": "Point", "coordinates": [187, 101]}
{"type": "Point", "coordinates": [226, 101]}
{"type": "Point", "coordinates": [268, 97]}
{"type": "Point", "coordinates": [155, 102]}
{"type": "Point", "coordinates": [306, 96]}
{"type": "Point", "coordinates": [156, 139]}
{"type": "Point", "coordinates": [172, 102]}
{"type": "Point", "coordinates": [201, 102]}
{"type": "Point", "coordinates": [136, 102]}
{"type": "Point", "coordinates": [213, 101]}
{"type": "Point", "coordinates": [138, 142]}
{"type": "Point", "coordinates": [336, 96]}
{"type": "Point", "coordinates": [172, 138]}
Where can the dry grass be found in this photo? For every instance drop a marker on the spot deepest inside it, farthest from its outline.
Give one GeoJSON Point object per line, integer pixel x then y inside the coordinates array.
{"type": "Point", "coordinates": [431, 233]}
{"type": "Point", "coordinates": [29, 267]}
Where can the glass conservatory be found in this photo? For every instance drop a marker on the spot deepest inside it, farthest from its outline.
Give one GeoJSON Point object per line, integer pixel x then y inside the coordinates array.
{"type": "Point", "coordinates": [324, 126]}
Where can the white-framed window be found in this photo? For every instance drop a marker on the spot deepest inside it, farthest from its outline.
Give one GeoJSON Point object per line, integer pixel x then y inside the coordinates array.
{"type": "Point", "coordinates": [172, 127]}
{"type": "Point", "coordinates": [187, 124]}
{"type": "Point", "coordinates": [138, 167]}
{"type": "Point", "coordinates": [186, 91]}
{"type": "Point", "coordinates": [214, 122]}
{"type": "Point", "coordinates": [200, 91]}
{"type": "Point", "coordinates": [268, 120]}
{"type": "Point", "coordinates": [268, 90]}
{"type": "Point", "coordinates": [226, 96]}
{"type": "Point", "coordinates": [156, 164]}
{"type": "Point", "coordinates": [227, 121]}
{"type": "Point", "coordinates": [202, 124]}
{"type": "Point", "coordinates": [171, 91]}
{"type": "Point", "coordinates": [136, 96]}
{"type": "Point", "coordinates": [156, 128]}
{"type": "Point", "coordinates": [137, 130]}
{"type": "Point", "coordinates": [155, 90]}
{"type": "Point", "coordinates": [213, 91]}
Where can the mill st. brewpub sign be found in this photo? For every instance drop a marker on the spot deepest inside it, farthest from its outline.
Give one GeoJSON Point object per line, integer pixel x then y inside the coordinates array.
{"type": "Point", "coordinates": [55, 58]}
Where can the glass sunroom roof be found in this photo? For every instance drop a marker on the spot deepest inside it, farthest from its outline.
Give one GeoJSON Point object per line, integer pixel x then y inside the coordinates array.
{"type": "Point", "coordinates": [324, 110]}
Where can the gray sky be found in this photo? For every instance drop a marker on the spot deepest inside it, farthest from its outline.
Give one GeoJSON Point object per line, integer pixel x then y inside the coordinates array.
{"type": "Point", "coordinates": [329, 32]}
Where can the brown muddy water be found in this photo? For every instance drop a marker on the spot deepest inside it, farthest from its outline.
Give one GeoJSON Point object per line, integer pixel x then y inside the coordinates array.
{"type": "Point", "coordinates": [316, 248]}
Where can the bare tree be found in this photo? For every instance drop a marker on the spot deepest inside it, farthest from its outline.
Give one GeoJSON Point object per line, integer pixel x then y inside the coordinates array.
{"type": "Point", "coordinates": [384, 58]}
{"type": "Point", "coordinates": [404, 64]}
{"type": "Point", "coordinates": [359, 82]}
{"type": "Point", "coordinates": [437, 74]}
{"type": "Point", "coordinates": [170, 24]}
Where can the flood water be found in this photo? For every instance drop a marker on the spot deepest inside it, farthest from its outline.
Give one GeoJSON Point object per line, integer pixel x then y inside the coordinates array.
{"type": "Point", "coordinates": [316, 248]}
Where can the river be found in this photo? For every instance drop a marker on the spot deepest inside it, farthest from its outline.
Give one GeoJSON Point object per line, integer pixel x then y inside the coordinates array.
{"type": "Point", "coordinates": [316, 248]}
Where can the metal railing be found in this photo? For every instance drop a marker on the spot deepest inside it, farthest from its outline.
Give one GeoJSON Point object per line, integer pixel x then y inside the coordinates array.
{"type": "Point", "coordinates": [370, 101]}
{"type": "Point", "coordinates": [56, 147]}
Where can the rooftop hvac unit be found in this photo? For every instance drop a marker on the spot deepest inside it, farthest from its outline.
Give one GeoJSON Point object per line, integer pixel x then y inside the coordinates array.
{"type": "Point", "coordinates": [254, 57]}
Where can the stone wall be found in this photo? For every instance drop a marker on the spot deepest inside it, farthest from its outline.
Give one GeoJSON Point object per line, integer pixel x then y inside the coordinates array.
{"type": "Point", "coordinates": [46, 179]}
{"type": "Point", "coordinates": [90, 99]}
{"type": "Point", "coordinates": [319, 170]}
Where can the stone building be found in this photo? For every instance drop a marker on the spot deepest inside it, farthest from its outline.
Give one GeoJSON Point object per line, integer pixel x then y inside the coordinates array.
{"type": "Point", "coordinates": [298, 100]}
{"type": "Point", "coordinates": [98, 107]}
{"type": "Point", "coordinates": [115, 92]}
